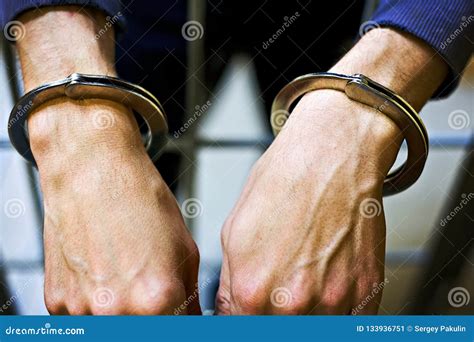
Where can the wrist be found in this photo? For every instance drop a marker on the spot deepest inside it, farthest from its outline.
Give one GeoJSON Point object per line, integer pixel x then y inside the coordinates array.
{"type": "Point", "coordinates": [338, 128]}
{"type": "Point", "coordinates": [65, 134]}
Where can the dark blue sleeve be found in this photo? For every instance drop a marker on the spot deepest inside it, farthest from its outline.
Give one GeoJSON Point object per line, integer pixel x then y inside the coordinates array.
{"type": "Point", "coordinates": [446, 25]}
{"type": "Point", "coordinates": [10, 9]}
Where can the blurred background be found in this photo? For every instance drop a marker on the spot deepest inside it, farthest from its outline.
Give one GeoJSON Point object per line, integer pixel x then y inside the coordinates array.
{"type": "Point", "coordinates": [430, 259]}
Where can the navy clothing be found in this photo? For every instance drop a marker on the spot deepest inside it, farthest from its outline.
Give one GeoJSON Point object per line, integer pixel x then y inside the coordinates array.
{"type": "Point", "coordinates": [284, 39]}
{"type": "Point", "coordinates": [447, 26]}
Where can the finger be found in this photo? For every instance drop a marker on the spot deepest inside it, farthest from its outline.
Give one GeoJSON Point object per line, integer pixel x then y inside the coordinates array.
{"type": "Point", "coordinates": [223, 293]}
{"type": "Point", "coordinates": [369, 298]}
{"type": "Point", "coordinates": [191, 273]}
{"type": "Point", "coordinates": [76, 301]}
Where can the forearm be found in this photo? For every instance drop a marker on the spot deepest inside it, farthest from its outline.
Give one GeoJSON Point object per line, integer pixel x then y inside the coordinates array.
{"type": "Point", "coordinates": [60, 41]}
{"type": "Point", "coordinates": [398, 61]}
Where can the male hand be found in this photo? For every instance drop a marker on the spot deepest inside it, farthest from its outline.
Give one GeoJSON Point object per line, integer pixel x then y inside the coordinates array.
{"type": "Point", "coordinates": [307, 235]}
{"type": "Point", "coordinates": [115, 240]}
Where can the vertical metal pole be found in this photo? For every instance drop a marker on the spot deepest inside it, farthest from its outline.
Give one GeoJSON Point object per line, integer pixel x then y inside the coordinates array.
{"type": "Point", "coordinates": [14, 76]}
{"type": "Point", "coordinates": [195, 95]}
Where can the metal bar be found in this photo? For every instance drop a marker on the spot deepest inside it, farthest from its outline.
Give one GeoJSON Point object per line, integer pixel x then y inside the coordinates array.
{"type": "Point", "coordinates": [194, 95]}
{"type": "Point", "coordinates": [450, 247]}
{"type": "Point", "coordinates": [15, 81]}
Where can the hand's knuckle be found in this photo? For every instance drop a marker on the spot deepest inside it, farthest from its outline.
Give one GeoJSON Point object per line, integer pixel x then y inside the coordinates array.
{"type": "Point", "coordinates": [249, 297]}
{"type": "Point", "coordinates": [334, 301]}
{"type": "Point", "coordinates": [114, 308]}
{"type": "Point", "coordinates": [162, 299]}
{"type": "Point", "coordinates": [54, 301]}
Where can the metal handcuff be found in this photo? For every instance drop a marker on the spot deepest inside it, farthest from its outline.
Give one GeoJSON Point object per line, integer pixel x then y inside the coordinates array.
{"type": "Point", "coordinates": [82, 86]}
{"type": "Point", "coordinates": [362, 89]}
{"type": "Point", "coordinates": [357, 87]}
